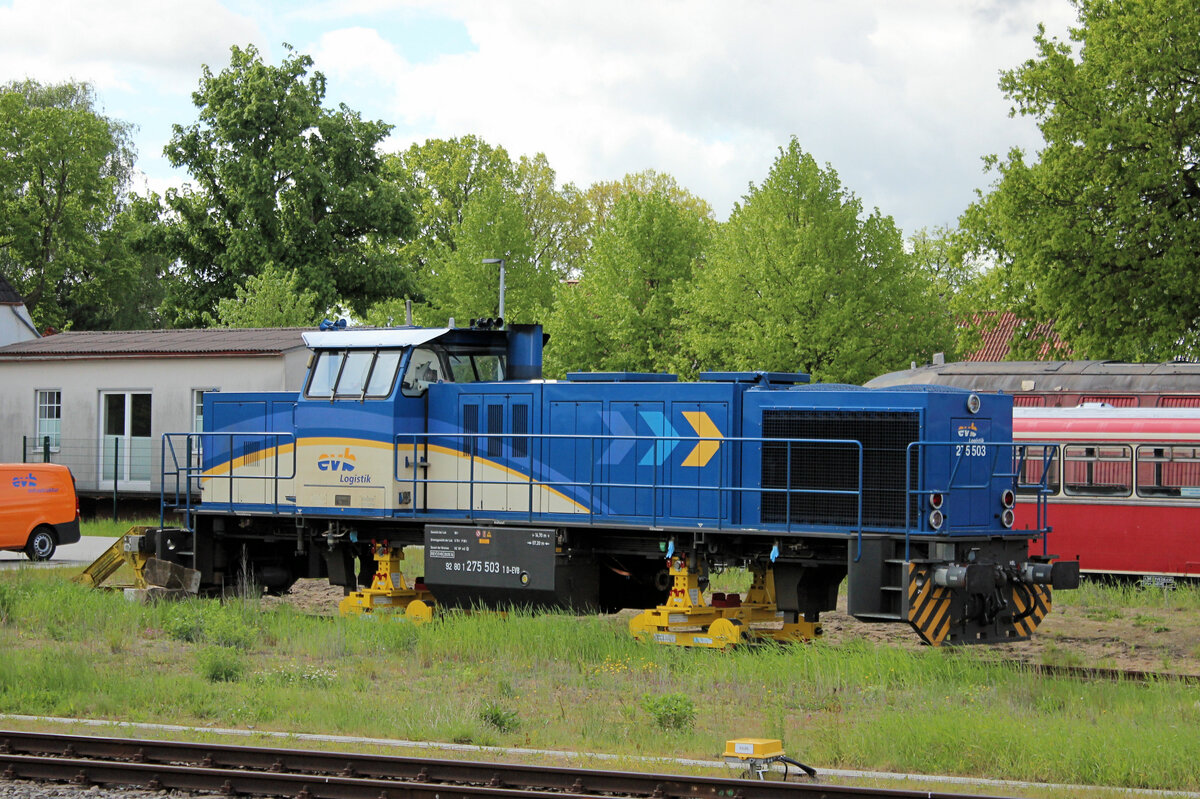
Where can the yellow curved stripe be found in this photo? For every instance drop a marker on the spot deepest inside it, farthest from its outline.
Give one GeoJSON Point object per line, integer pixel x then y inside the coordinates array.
{"type": "Point", "coordinates": [511, 472]}
{"type": "Point", "coordinates": [256, 456]}
{"type": "Point", "coordinates": [284, 449]}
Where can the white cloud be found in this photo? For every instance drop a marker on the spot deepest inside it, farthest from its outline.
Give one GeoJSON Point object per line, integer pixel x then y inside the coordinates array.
{"type": "Point", "coordinates": [118, 44]}
{"type": "Point", "coordinates": [900, 98]}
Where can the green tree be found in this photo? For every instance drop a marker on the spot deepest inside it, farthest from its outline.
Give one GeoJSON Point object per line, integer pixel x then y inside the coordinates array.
{"type": "Point", "coordinates": [1101, 232]}
{"type": "Point", "coordinates": [799, 280]}
{"type": "Point", "coordinates": [601, 197]}
{"type": "Point", "coordinates": [64, 211]}
{"type": "Point", "coordinates": [474, 203]}
{"type": "Point", "coordinates": [272, 298]}
{"type": "Point", "coordinates": [281, 180]}
{"type": "Point", "coordinates": [618, 316]}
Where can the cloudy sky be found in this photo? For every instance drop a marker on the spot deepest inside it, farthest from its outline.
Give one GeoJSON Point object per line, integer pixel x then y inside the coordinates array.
{"type": "Point", "coordinates": [899, 96]}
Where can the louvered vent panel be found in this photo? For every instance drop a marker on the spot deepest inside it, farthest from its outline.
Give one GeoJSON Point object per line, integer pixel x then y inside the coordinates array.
{"type": "Point", "coordinates": [815, 468]}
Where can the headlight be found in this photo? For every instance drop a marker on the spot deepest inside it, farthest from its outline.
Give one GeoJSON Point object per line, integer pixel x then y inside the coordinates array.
{"type": "Point", "coordinates": [935, 519]}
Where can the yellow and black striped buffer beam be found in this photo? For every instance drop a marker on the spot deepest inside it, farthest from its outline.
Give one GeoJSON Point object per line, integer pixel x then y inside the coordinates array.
{"type": "Point", "coordinates": [1030, 604]}
{"type": "Point", "coordinates": [928, 605]}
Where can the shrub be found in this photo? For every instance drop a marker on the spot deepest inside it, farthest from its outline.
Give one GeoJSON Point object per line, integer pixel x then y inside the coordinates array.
{"type": "Point", "coordinates": [220, 664]}
{"type": "Point", "coordinates": [670, 711]}
{"type": "Point", "coordinates": [184, 622]}
{"type": "Point", "coordinates": [226, 628]}
{"type": "Point", "coordinates": [501, 718]}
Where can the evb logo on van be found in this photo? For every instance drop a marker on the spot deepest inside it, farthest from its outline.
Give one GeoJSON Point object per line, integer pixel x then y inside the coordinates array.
{"type": "Point", "coordinates": [336, 463]}
{"type": "Point", "coordinates": [28, 481]}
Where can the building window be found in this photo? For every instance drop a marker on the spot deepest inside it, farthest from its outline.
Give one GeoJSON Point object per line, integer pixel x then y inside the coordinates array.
{"type": "Point", "coordinates": [198, 409]}
{"type": "Point", "coordinates": [49, 418]}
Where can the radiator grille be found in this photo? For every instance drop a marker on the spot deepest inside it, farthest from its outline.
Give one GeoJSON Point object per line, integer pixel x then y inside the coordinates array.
{"type": "Point", "coordinates": [495, 421]}
{"type": "Point", "coordinates": [470, 425]}
{"type": "Point", "coordinates": [520, 428]}
{"type": "Point", "coordinates": [821, 467]}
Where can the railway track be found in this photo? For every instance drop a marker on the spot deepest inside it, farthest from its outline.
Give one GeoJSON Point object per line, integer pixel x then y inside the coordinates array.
{"type": "Point", "coordinates": [1113, 675]}
{"type": "Point", "coordinates": [307, 774]}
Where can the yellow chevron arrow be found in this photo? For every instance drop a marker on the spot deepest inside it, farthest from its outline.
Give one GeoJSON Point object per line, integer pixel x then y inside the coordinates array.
{"type": "Point", "coordinates": [704, 427]}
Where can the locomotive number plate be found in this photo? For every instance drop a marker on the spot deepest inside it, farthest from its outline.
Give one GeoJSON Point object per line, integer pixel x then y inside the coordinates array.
{"type": "Point", "coordinates": [499, 557]}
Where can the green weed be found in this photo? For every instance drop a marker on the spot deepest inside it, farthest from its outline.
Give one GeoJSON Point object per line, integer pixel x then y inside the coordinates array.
{"type": "Point", "coordinates": [498, 716]}
{"type": "Point", "coordinates": [674, 711]}
{"type": "Point", "coordinates": [220, 664]}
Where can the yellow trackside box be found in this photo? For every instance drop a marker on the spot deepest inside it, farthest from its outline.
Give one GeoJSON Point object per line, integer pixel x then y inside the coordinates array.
{"type": "Point", "coordinates": [753, 748]}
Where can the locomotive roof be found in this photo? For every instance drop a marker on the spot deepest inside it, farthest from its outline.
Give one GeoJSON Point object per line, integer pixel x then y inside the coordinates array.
{"type": "Point", "coordinates": [406, 336]}
{"type": "Point", "coordinates": [371, 338]}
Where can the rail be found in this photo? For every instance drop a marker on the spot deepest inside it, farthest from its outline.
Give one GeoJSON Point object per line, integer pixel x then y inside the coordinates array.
{"type": "Point", "coordinates": [182, 472]}
{"type": "Point", "coordinates": [275, 771]}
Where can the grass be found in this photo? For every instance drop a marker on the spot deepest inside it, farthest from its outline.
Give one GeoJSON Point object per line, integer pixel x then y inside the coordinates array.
{"type": "Point", "coordinates": [562, 682]}
{"type": "Point", "coordinates": [106, 527]}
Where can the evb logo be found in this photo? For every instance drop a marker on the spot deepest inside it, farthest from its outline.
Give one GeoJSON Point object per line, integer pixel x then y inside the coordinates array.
{"type": "Point", "coordinates": [336, 463]}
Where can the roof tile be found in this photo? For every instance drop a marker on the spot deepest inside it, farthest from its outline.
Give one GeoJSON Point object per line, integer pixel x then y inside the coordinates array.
{"type": "Point", "coordinates": [211, 341]}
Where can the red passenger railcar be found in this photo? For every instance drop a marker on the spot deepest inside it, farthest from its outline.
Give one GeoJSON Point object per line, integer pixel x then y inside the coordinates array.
{"type": "Point", "coordinates": [1123, 483]}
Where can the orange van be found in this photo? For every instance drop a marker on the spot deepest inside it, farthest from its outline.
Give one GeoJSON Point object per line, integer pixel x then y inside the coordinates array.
{"type": "Point", "coordinates": [38, 508]}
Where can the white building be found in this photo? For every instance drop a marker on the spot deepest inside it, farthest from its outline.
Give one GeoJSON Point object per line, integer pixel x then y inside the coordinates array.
{"type": "Point", "coordinates": [15, 323]}
{"type": "Point", "coordinates": [100, 402]}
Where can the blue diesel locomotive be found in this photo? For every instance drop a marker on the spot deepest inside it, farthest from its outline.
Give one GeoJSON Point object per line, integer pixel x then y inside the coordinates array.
{"type": "Point", "coordinates": [609, 491]}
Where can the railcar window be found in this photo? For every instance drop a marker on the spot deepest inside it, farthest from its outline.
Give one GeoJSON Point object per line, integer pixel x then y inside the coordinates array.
{"type": "Point", "coordinates": [424, 367]}
{"type": "Point", "coordinates": [1168, 471]}
{"type": "Point", "coordinates": [383, 373]}
{"type": "Point", "coordinates": [489, 367]}
{"type": "Point", "coordinates": [1035, 461]}
{"type": "Point", "coordinates": [1098, 470]}
{"type": "Point", "coordinates": [345, 374]}
{"type": "Point", "coordinates": [462, 369]}
{"type": "Point", "coordinates": [324, 373]}
{"type": "Point", "coordinates": [354, 373]}
{"type": "Point", "coordinates": [473, 368]}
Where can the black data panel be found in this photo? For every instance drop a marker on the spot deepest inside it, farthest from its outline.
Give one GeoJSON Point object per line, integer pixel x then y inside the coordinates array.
{"type": "Point", "coordinates": [489, 557]}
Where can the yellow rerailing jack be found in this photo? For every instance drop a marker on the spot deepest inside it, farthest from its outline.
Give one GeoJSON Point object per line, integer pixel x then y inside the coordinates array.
{"type": "Point", "coordinates": [759, 609]}
{"type": "Point", "coordinates": [389, 592]}
{"type": "Point", "coordinates": [685, 619]}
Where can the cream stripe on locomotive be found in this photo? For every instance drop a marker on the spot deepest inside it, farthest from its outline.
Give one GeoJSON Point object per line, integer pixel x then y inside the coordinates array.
{"type": "Point", "coordinates": [358, 473]}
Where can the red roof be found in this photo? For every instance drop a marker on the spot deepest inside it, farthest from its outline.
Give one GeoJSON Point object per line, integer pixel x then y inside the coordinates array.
{"type": "Point", "coordinates": [154, 343]}
{"type": "Point", "coordinates": [998, 329]}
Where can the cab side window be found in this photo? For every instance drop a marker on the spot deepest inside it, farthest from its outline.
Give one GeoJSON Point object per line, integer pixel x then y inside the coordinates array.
{"type": "Point", "coordinates": [424, 367]}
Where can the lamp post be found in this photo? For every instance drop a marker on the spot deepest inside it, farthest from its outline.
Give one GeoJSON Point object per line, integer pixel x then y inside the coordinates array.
{"type": "Point", "coordinates": [501, 262]}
